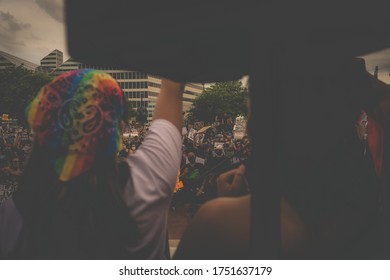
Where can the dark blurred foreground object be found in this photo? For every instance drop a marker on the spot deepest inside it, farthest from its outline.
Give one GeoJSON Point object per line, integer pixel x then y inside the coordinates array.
{"type": "Point", "coordinates": [182, 40]}
{"type": "Point", "coordinates": [206, 41]}
{"type": "Point", "coordinates": [290, 49]}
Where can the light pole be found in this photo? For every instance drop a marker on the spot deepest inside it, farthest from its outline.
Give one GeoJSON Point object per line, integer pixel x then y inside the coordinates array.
{"type": "Point", "coordinates": [142, 111]}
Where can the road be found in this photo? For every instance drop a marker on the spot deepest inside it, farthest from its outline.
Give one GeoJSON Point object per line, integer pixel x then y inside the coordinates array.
{"type": "Point", "coordinates": [178, 221]}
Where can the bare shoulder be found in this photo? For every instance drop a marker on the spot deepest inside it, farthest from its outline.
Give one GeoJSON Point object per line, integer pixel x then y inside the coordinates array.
{"type": "Point", "coordinates": [219, 210]}
{"type": "Point", "coordinates": [220, 230]}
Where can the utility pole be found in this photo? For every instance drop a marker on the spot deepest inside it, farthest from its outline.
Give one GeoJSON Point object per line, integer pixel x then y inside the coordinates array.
{"type": "Point", "coordinates": [142, 111]}
{"type": "Point", "coordinates": [376, 71]}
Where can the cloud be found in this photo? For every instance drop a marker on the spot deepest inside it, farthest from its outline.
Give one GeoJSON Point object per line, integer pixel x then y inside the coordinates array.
{"type": "Point", "coordinates": [54, 8]}
{"type": "Point", "coordinates": [8, 21]}
{"type": "Point", "coordinates": [10, 29]}
{"type": "Point", "coordinates": [10, 42]}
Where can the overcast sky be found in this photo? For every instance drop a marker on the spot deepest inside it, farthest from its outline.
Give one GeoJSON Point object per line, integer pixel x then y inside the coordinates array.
{"type": "Point", "coordinates": [31, 29]}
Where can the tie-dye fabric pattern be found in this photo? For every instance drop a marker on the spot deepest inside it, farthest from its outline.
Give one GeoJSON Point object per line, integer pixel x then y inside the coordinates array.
{"type": "Point", "coordinates": [73, 115]}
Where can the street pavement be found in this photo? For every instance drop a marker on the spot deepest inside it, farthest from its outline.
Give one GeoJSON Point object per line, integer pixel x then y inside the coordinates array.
{"type": "Point", "coordinates": [178, 221]}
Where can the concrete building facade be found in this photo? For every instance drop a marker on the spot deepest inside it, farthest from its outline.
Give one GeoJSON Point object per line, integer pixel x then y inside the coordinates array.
{"type": "Point", "coordinates": [52, 61]}
{"type": "Point", "coordinates": [8, 60]}
{"type": "Point", "coordinates": [140, 89]}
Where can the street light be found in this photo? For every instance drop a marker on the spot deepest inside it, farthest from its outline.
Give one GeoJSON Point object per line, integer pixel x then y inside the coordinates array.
{"type": "Point", "coordinates": [142, 111]}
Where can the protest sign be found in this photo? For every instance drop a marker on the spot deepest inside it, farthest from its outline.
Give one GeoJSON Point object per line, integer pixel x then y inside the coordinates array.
{"type": "Point", "coordinates": [218, 144]}
{"type": "Point", "coordinates": [239, 129]}
{"type": "Point", "coordinates": [134, 133]}
{"type": "Point", "coordinates": [198, 138]}
{"type": "Point", "coordinates": [191, 134]}
{"type": "Point", "coordinates": [198, 160]}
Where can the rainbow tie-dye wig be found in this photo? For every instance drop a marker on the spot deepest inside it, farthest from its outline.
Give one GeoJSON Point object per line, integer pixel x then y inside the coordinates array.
{"type": "Point", "coordinates": [75, 115]}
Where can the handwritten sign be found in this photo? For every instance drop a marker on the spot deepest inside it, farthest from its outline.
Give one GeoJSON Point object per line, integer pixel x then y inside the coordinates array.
{"type": "Point", "coordinates": [198, 138]}
{"type": "Point", "coordinates": [191, 134]}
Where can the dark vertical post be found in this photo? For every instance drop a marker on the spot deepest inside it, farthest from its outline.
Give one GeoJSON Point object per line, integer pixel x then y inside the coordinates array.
{"type": "Point", "coordinates": [265, 208]}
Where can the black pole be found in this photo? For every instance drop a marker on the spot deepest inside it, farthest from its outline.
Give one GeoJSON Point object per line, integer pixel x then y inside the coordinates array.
{"type": "Point", "coordinates": [262, 165]}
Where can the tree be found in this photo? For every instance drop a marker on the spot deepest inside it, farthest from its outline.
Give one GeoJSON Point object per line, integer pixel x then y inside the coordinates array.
{"type": "Point", "coordinates": [229, 98]}
{"type": "Point", "coordinates": [18, 86]}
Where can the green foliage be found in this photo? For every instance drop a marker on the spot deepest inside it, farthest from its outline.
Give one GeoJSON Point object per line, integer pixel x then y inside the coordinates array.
{"type": "Point", "coordinates": [18, 86]}
{"type": "Point", "coordinates": [223, 97]}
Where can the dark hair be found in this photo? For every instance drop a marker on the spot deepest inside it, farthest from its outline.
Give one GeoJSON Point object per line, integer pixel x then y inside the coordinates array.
{"type": "Point", "coordinates": [84, 218]}
{"type": "Point", "coordinates": [322, 171]}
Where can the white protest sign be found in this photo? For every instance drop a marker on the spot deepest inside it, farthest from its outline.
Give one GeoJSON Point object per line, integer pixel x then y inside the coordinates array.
{"type": "Point", "coordinates": [239, 130]}
{"type": "Point", "coordinates": [191, 134]}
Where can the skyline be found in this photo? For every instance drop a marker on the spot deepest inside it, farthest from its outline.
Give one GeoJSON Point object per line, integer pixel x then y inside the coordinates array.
{"type": "Point", "coordinates": [32, 29]}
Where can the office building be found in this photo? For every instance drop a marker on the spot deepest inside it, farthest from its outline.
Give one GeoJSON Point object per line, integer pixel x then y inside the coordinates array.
{"type": "Point", "coordinates": [8, 60]}
{"type": "Point", "coordinates": [52, 61]}
{"type": "Point", "coordinates": [140, 89]}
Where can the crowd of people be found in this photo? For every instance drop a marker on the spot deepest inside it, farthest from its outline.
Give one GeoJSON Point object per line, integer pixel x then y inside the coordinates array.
{"type": "Point", "coordinates": [205, 155]}
{"type": "Point", "coordinates": [15, 146]}
{"type": "Point", "coordinates": [84, 195]}
{"type": "Point", "coordinates": [208, 151]}
{"type": "Point", "coordinates": [88, 161]}
{"type": "Point", "coordinates": [132, 137]}
{"type": "Point", "coordinates": [318, 172]}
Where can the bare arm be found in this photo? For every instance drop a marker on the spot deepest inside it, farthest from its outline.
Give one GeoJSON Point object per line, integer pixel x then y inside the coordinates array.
{"type": "Point", "coordinates": [220, 230]}
{"type": "Point", "coordinates": [232, 183]}
{"type": "Point", "coordinates": [169, 104]}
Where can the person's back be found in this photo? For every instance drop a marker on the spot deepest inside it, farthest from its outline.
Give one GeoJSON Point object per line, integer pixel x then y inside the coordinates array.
{"type": "Point", "coordinates": [222, 230]}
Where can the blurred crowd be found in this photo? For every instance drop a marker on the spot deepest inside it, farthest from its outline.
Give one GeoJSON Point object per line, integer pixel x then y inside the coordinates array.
{"type": "Point", "coordinates": [15, 146]}
{"type": "Point", "coordinates": [208, 150]}
{"type": "Point", "coordinates": [132, 137]}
